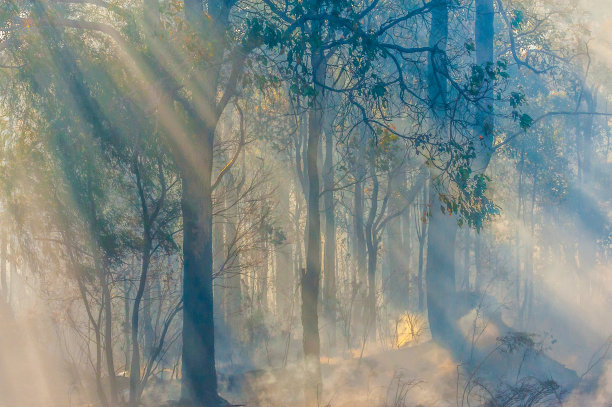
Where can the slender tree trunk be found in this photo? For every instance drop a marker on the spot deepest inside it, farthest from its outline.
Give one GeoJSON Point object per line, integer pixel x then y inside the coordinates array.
{"type": "Point", "coordinates": [233, 291]}
{"type": "Point", "coordinates": [360, 283]}
{"type": "Point", "coordinates": [372, 249]}
{"type": "Point", "coordinates": [3, 280]}
{"type": "Point", "coordinates": [519, 209]}
{"type": "Point", "coordinates": [284, 254]}
{"type": "Point", "coordinates": [127, 323]}
{"type": "Point", "coordinates": [421, 289]}
{"type": "Point", "coordinates": [329, 263]}
{"type": "Point", "coordinates": [422, 232]}
{"type": "Point", "coordinates": [149, 332]}
{"type": "Point", "coordinates": [359, 226]}
{"type": "Point", "coordinates": [135, 373]}
{"type": "Point", "coordinates": [396, 277]}
{"type": "Point", "coordinates": [264, 274]}
{"type": "Point", "coordinates": [589, 225]}
{"type": "Point", "coordinates": [14, 284]}
{"type": "Point", "coordinates": [108, 335]}
{"type": "Point", "coordinates": [527, 308]}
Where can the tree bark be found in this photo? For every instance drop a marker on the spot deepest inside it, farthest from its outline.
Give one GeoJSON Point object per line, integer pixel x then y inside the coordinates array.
{"type": "Point", "coordinates": [199, 377]}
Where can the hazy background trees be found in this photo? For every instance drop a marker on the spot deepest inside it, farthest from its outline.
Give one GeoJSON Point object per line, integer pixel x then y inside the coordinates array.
{"type": "Point", "coordinates": [202, 199]}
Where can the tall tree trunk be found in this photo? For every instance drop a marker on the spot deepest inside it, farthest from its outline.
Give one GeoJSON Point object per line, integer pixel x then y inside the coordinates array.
{"type": "Point", "coordinates": [485, 121]}
{"type": "Point", "coordinates": [199, 379]}
{"type": "Point", "coordinates": [329, 262]}
{"type": "Point", "coordinates": [199, 384]}
{"type": "Point", "coordinates": [440, 270]}
{"type": "Point", "coordinates": [312, 274]}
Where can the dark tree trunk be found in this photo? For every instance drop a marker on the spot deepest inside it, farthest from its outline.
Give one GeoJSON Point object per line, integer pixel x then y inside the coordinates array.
{"type": "Point", "coordinates": [199, 384]}
{"type": "Point", "coordinates": [199, 378]}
